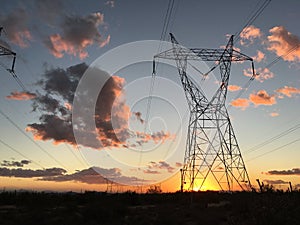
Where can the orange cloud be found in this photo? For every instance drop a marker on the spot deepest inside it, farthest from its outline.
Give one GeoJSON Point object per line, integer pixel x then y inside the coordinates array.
{"type": "Point", "coordinates": [259, 57]}
{"type": "Point", "coordinates": [262, 98]}
{"type": "Point", "coordinates": [242, 103]}
{"type": "Point", "coordinates": [105, 42]}
{"type": "Point", "coordinates": [156, 137]}
{"type": "Point", "coordinates": [77, 34]}
{"type": "Point", "coordinates": [15, 25]}
{"type": "Point", "coordinates": [61, 45]}
{"type": "Point", "coordinates": [249, 33]}
{"type": "Point", "coordinates": [262, 74]}
{"type": "Point", "coordinates": [274, 114]}
{"type": "Point", "coordinates": [282, 41]}
{"type": "Point", "coordinates": [288, 91]}
{"type": "Point", "coordinates": [234, 88]}
{"type": "Point", "coordinates": [21, 96]}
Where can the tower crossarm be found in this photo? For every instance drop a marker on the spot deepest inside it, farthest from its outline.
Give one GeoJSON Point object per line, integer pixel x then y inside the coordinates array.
{"type": "Point", "coordinates": [203, 54]}
{"type": "Point", "coordinates": [206, 54]}
{"type": "Point", "coordinates": [4, 51]}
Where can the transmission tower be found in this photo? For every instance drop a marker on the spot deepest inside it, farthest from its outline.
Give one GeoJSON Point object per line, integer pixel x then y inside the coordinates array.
{"type": "Point", "coordinates": [212, 151]}
{"type": "Point", "coordinates": [4, 51]}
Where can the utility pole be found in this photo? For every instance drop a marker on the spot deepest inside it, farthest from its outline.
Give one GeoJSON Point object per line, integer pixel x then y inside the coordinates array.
{"type": "Point", "coordinates": [212, 151]}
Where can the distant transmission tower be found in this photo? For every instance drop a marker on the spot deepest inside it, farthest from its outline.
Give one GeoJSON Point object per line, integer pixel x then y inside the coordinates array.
{"type": "Point", "coordinates": [212, 152]}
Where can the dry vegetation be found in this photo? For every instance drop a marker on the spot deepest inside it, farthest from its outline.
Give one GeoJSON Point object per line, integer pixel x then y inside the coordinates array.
{"type": "Point", "coordinates": [91, 208]}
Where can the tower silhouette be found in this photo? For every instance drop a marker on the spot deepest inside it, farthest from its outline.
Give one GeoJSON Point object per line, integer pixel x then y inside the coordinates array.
{"type": "Point", "coordinates": [212, 151]}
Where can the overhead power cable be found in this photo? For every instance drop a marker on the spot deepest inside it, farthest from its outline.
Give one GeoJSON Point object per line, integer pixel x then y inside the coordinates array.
{"type": "Point", "coordinates": [19, 153]}
{"type": "Point", "coordinates": [276, 149]}
{"type": "Point", "coordinates": [252, 17]}
{"type": "Point", "coordinates": [21, 84]}
{"type": "Point", "coordinates": [29, 138]}
{"type": "Point", "coordinates": [274, 138]}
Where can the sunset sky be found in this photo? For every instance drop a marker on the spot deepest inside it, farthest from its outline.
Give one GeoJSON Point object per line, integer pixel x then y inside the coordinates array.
{"type": "Point", "coordinates": [56, 42]}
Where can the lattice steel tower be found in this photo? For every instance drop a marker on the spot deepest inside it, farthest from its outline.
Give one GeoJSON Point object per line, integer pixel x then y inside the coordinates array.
{"type": "Point", "coordinates": [212, 151]}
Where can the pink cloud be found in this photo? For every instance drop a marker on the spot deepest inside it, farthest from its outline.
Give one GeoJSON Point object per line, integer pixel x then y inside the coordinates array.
{"type": "Point", "coordinates": [259, 57]}
{"type": "Point", "coordinates": [274, 114]}
{"type": "Point", "coordinates": [262, 74]}
{"type": "Point", "coordinates": [282, 41]}
{"type": "Point", "coordinates": [288, 91]}
{"type": "Point", "coordinates": [16, 29]}
{"type": "Point", "coordinates": [248, 34]}
{"type": "Point", "coordinates": [262, 98]}
{"type": "Point", "coordinates": [24, 95]}
{"type": "Point", "coordinates": [233, 88]}
{"type": "Point", "coordinates": [242, 103]}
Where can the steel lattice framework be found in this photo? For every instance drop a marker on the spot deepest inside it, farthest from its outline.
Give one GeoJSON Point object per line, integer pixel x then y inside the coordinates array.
{"type": "Point", "coordinates": [4, 51]}
{"type": "Point", "coordinates": [212, 151]}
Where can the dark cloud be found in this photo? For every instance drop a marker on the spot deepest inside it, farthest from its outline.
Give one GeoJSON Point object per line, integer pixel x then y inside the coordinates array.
{"type": "Point", "coordinates": [138, 116]}
{"type": "Point", "coordinates": [110, 3]}
{"type": "Point", "coordinates": [294, 171]}
{"type": "Point", "coordinates": [49, 10]}
{"type": "Point", "coordinates": [107, 122]}
{"type": "Point", "coordinates": [29, 173]}
{"type": "Point", "coordinates": [156, 137]}
{"type": "Point", "coordinates": [77, 34]}
{"type": "Point", "coordinates": [275, 182]}
{"type": "Point", "coordinates": [297, 186]}
{"type": "Point", "coordinates": [15, 27]}
{"type": "Point", "coordinates": [55, 103]}
{"type": "Point", "coordinates": [178, 164]}
{"type": "Point", "coordinates": [153, 167]}
{"type": "Point", "coordinates": [95, 175]}
{"type": "Point", "coordinates": [148, 171]}
{"type": "Point", "coordinates": [52, 127]}
{"type": "Point", "coordinates": [21, 163]}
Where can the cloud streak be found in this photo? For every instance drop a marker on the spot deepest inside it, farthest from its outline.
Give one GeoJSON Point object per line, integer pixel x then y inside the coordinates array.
{"type": "Point", "coordinates": [160, 167]}
{"type": "Point", "coordinates": [21, 96]}
{"type": "Point", "coordinates": [29, 173]}
{"type": "Point", "coordinates": [95, 175]}
{"type": "Point", "coordinates": [275, 182]}
{"type": "Point", "coordinates": [234, 88]}
{"type": "Point", "coordinates": [21, 163]}
{"type": "Point", "coordinates": [294, 171]}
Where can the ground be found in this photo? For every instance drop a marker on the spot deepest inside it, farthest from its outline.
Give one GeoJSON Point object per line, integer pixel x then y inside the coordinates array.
{"type": "Point", "coordinates": [91, 208]}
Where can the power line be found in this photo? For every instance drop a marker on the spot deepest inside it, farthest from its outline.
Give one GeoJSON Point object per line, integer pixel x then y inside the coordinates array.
{"type": "Point", "coordinates": [252, 18]}
{"type": "Point", "coordinates": [29, 138]}
{"type": "Point", "coordinates": [21, 154]}
{"type": "Point", "coordinates": [276, 149]}
{"type": "Point", "coordinates": [162, 38]}
{"type": "Point", "coordinates": [268, 66]}
{"type": "Point", "coordinates": [20, 83]}
{"type": "Point", "coordinates": [277, 59]}
{"type": "Point", "coordinates": [274, 138]}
